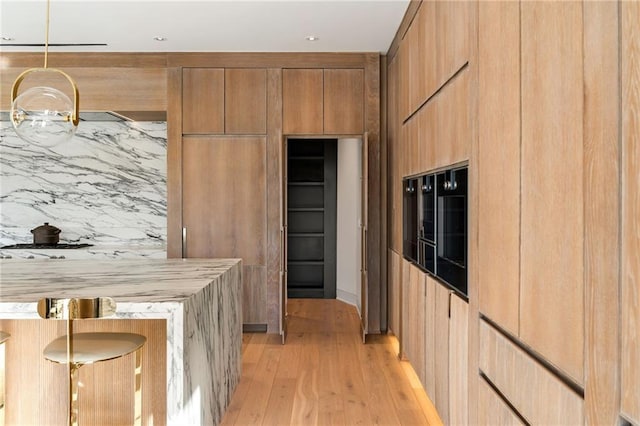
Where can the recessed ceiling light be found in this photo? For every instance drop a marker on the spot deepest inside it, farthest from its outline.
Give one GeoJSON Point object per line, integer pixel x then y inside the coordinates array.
{"type": "Point", "coordinates": [160, 38]}
{"type": "Point", "coordinates": [312, 38]}
{"type": "Point", "coordinates": [6, 38]}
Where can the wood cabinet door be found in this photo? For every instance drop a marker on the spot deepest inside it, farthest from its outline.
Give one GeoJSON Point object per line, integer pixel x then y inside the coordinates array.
{"type": "Point", "coordinates": [343, 101]}
{"type": "Point", "coordinates": [630, 312]}
{"type": "Point", "coordinates": [202, 100]}
{"type": "Point", "coordinates": [492, 410]}
{"type": "Point", "coordinates": [245, 101]}
{"type": "Point", "coordinates": [224, 201]}
{"type": "Point", "coordinates": [499, 163]}
{"type": "Point", "coordinates": [417, 320]}
{"type": "Point", "coordinates": [552, 219]}
{"type": "Point", "coordinates": [302, 101]}
{"type": "Point", "coordinates": [430, 337]}
{"type": "Point", "coordinates": [458, 361]}
{"type": "Point", "coordinates": [441, 346]}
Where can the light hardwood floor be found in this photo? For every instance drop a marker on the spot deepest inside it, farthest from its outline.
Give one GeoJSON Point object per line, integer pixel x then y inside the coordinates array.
{"type": "Point", "coordinates": [325, 375]}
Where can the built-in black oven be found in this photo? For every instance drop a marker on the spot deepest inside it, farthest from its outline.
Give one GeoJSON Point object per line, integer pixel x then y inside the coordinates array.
{"type": "Point", "coordinates": [435, 220]}
{"type": "Point", "coordinates": [451, 228]}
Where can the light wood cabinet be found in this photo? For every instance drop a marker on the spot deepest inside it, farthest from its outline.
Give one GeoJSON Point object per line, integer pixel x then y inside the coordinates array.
{"type": "Point", "coordinates": [404, 99]}
{"type": "Point", "coordinates": [539, 396]}
{"type": "Point", "coordinates": [499, 163]}
{"type": "Point", "coordinates": [441, 357]}
{"type": "Point", "coordinates": [245, 101]}
{"type": "Point", "coordinates": [453, 121]}
{"type": "Point", "coordinates": [343, 101]}
{"type": "Point", "coordinates": [302, 101]}
{"type": "Point", "coordinates": [492, 410]}
{"type": "Point", "coordinates": [224, 209]}
{"type": "Point", "coordinates": [452, 39]}
{"type": "Point", "coordinates": [413, 328]}
{"type": "Point", "coordinates": [552, 260]}
{"type": "Point", "coordinates": [430, 336]}
{"type": "Point", "coordinates": [458, 361]}
{"type": "Point", "coordinates": [202, 100]}
{"type": "Point", "coordinates": [224, 202]}
{"type": "Point", "coordinates": [630, 351]}
{"type": "Point", "coordinates": [416, 63]}
{"type": "Point", "coordinates": [394, 291]}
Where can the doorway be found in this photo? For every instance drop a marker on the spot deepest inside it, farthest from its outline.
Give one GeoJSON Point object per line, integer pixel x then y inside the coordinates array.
{"type": "Point", "coordinates": [312, 218]}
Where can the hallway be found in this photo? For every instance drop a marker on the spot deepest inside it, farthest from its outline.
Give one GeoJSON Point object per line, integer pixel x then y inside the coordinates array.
{"type": "Point", "coordinates": [324, 375]}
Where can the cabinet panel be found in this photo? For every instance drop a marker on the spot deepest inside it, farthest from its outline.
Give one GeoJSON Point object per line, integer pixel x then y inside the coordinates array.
{"type": "Point", "coordinates": [394, 157]}
{"type": "Point", "coordinates": [630, 371]}
{"type": "Point", "coordinates": [254, 294]}
{"type": "Point", "coordinates": [245, 101]}
{"type": "Point", "coordinates": [302, 101]}
{"type": "Point", "coordinates": [428, 40]}
{"type": "Point", "coordinates": [417, 321]}
{"type": "Point", "coordinates": [202, 100]}
{"type": "Point", "coordinates": [430, 337]}
{"type": "Point", "coordinates": [452, 39]}
{"type": "Point", "coordinates": [343, 101]}
{"type": "Point", "coordinates": [441, 358]}
{"type": "Point", "coordinates": [538, 395]}
{"type": "Point", "coordinates": [552, 270]}
{"type": "Point", "coordinates": [405, 341]}
{"type": "Point", "coordinates": [404, 95]}
{"type": "Point", "coordinates": [224, 198]}
{"type": "Point", "coordinates": [492, 410]}
{"type": "Point", "coordinates": [499, 162]}
{"type": "Point", "coordinates": [394, 292]}
{"type": "Point", "coordinates": [458, 361]}
{"type": "Point", "coordinates": [427, 122]}
{"type": "Point", "coordinates": [453, 131]}
{"type": "Point", "coordinates": [416, 62]}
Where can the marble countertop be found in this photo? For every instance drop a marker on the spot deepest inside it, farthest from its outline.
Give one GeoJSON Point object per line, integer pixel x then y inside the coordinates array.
{"type": "Point", "coordinates": [126, 280]}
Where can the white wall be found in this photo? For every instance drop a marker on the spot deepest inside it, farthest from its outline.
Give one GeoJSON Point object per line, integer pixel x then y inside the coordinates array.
{"type": "Point", "coordinates": [348, 222]}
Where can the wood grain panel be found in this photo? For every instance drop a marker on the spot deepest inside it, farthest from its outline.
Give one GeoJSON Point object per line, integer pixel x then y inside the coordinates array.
{"type": "Point", "coordinates": [254, 294]}
{"type": "Point", "coordinates": [85, 60]}
{"type": "Point", "coordinates": [245, 101]}
{"type": "Point", "coordinates": [267, 59]}
{"type": "Point", "coordinates": [274, 197]}
{"type": "Point", "coordinates": [602, 244]}
{"type": "Point", "coordinates": [493, 410]}
{"type": "Point", "coordinates": [416, 64]}
{"type": "Point", "coordinates": [441, 326]}
{"type": "Point", "coordinates": [430, 347]}
{"type": "Point", "coordinates": [413, 144]}
{"type": "Point", "coordinates": [404, 91]}
{"type": "Point", "coordinates": [538, 395]}
{"type": "Point", "coordinates": [394, 158]}
{"type": "Point", "coordinates": [37, 388]}
{"type": "Point", "coordinates": [101, 89]}
{"type": "Point", "coordinates": [452, 37]}
{"type": "Point", "coordinates": [394, 291]}
{"type": "Point", "coordinates": [224, 198]}
{"type": "Point", "coordinates": [428, 40]}
{"type": "Point", "coordinates": [377, 228]}
{"type": "Point", "coordinates": [630, 67]}
{"type": "Point", "coordinates": [453, 125]}
{"type": "Point", "coordinates": [343, 101]}
{"type": "Point", "coordinates": [552, 267]}
{"type": "Point", "coordinates": [417, 322]}
{"type": "Point", "coordinates": [499, 162]}
{"type": "Point", "coordinates": [302, 101]}
{"type": "Point", "coordinates": [427, 122]}
{"type": "Point", "coordinates": [202, 100]}
{"type": "Point", "coordinates": [405, 300]}
{"type": "Point", "coordinates": [458, 361]}
{"type": "Point", "coordinates": [174, 163]}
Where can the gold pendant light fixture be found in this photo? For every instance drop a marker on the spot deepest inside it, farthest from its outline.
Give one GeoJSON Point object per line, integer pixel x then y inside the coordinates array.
{"type": "Point", "coordinates": [44, 115]}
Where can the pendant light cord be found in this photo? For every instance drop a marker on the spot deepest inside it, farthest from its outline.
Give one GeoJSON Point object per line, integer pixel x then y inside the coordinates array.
{"type": "Point", "coordinates": [46, 37]}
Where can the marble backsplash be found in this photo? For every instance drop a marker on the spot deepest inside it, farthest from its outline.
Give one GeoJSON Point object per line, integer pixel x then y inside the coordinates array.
{"type": "Point", "coordinates": [106, 186]}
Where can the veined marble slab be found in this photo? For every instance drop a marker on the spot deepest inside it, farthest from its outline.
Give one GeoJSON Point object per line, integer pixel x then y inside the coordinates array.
{"type": "Point", "coordinates": [199, 298]}
{"type": "Point", "coordinates": [95, 252]}
{"type": "Point", "coordinates": [107, 185]}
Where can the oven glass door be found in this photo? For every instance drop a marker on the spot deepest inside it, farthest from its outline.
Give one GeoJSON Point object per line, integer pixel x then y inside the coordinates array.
{"type": "Point", "coordinates": [428, 213]}
{"type": "Point", "coordinates": [410, 219]}
{"type": "Point", "coordinates": [451, 262]}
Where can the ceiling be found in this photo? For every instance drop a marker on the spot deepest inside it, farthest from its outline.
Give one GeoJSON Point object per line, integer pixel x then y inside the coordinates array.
{"type": "Point", "coordinates": [202, 26]}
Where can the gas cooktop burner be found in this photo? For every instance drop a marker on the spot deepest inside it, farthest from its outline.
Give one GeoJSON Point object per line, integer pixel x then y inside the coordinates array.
{"type": "Point", "coordinates": [47, 246]}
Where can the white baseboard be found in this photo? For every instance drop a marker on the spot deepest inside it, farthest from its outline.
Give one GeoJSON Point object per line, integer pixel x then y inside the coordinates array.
{"type": "Point", "coordinates": [346, 297]}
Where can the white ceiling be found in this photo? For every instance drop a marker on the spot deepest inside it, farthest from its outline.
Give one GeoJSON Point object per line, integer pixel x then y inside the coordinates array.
{"type": "Point", "coordinates": [204, 25]}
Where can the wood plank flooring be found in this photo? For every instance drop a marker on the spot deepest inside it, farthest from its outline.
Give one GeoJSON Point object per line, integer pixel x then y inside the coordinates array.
{"type": "Point", "coordinates": [325, 375]}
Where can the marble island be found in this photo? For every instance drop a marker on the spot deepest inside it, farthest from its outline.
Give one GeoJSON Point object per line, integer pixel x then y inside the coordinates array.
{"type": "Point", "coordinates": [198, 301]}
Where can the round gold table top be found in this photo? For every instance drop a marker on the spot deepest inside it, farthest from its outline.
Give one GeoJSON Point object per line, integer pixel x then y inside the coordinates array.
{"type": "Point", "coordinates": [93, 347]}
